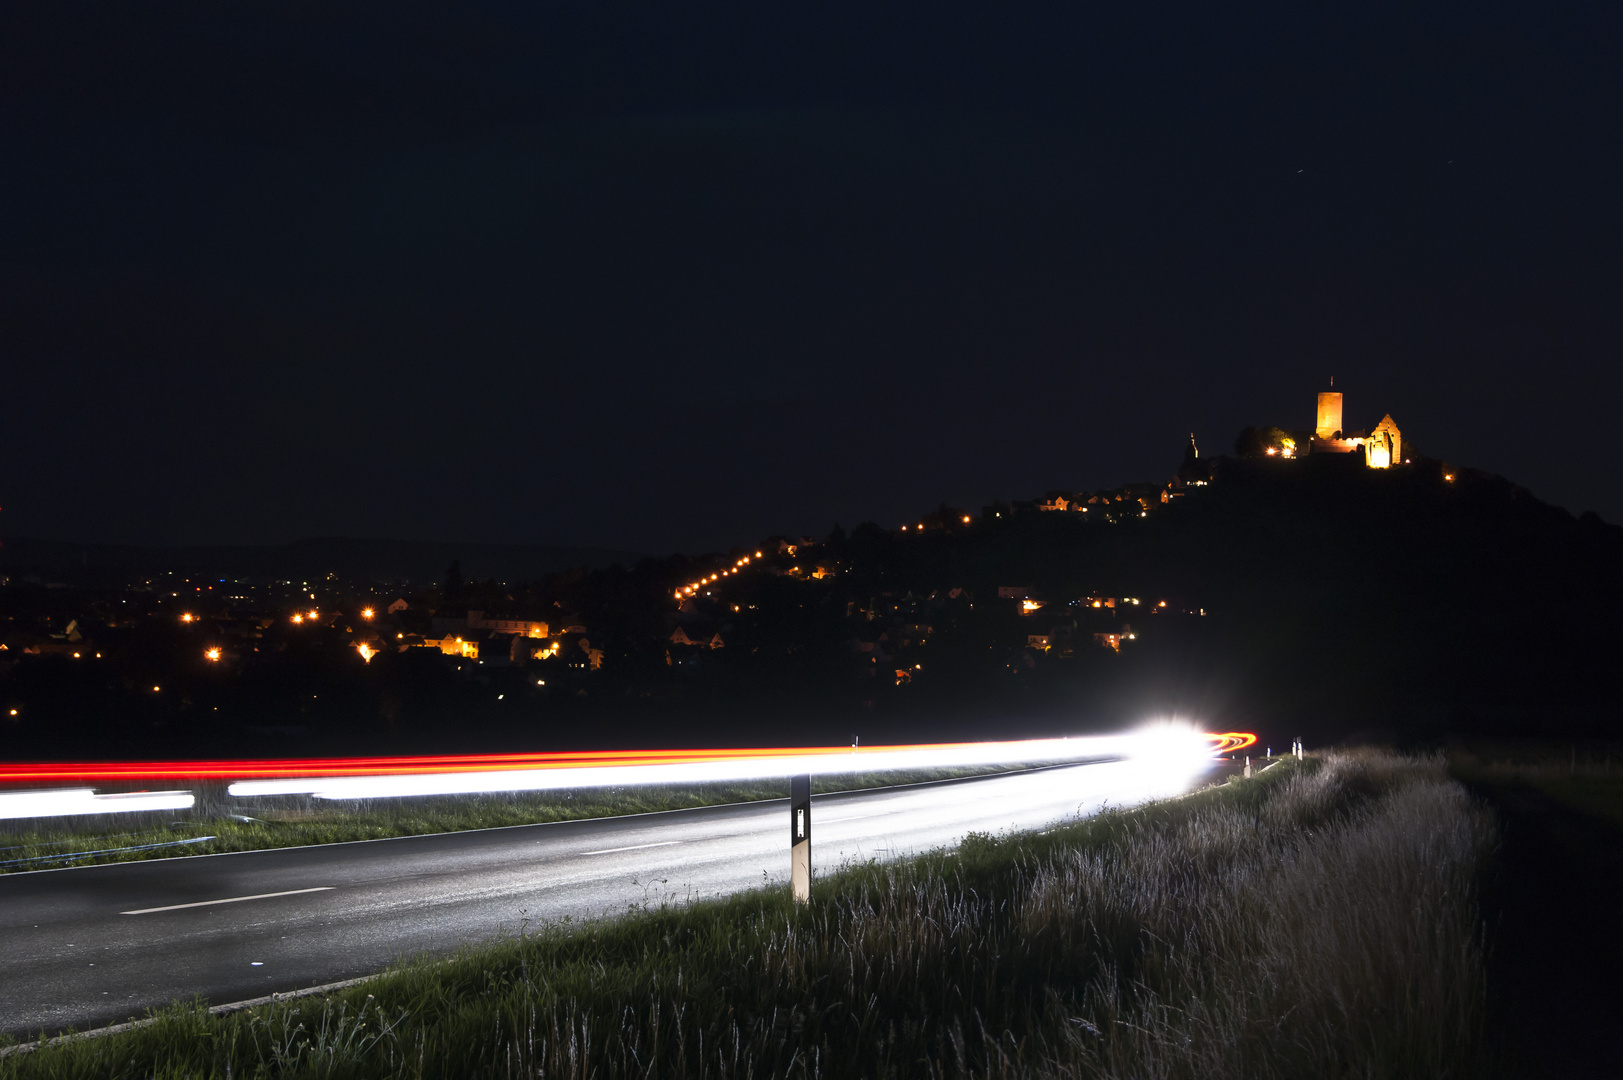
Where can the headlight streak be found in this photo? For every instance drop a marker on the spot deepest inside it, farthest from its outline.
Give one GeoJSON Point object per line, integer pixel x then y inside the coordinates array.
{"type": "Point", "coordinates": [67, 802]}
{"type": "Point", "coordinates": [1170, 748]}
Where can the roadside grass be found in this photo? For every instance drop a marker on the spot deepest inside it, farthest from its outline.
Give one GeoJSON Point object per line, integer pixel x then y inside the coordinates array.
{"type": "Point", "coordinates": [220, 824]}
{"type": "Point", "coordinates": [1586, 777]}
{"type": "Point", "coordinates": [1319, 920]}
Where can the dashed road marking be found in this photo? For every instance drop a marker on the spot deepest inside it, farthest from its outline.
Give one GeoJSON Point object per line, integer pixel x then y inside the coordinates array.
{"type": "Point", "coordinates": [228, 900]}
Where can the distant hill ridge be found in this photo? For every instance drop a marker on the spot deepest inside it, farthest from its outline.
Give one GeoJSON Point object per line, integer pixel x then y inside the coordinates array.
{"type": "Point", "coordinates": [419, 562]}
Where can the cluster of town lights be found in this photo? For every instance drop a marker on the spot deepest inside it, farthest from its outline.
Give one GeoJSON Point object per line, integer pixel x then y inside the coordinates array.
{"type": "Point", "coordinates": [685, 591]}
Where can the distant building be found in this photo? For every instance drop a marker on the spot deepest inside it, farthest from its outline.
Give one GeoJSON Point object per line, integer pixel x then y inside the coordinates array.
{"type": "Point", "coordinates": [1193, 471]}
{"type": "Point", "coordinates": [534, 628]}
{"type": "Point", "coordinates": [1382, 447]}
{"type": "Point", "coordinates": [454, 645]}
{"type": "Point", "coordinates": [681, 637]}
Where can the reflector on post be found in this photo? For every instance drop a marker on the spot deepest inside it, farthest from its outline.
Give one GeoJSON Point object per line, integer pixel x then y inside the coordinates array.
{"type": "Point", "coordinates": [800, 838]}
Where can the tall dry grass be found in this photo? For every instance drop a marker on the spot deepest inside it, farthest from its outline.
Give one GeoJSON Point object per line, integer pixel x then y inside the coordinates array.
{"type": "Point", "coordinates": [1319, 921]}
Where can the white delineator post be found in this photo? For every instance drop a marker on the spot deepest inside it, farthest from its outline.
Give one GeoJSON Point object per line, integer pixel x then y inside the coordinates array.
{"type": "Point", "coordinates": [800, 838]}
{"type": "Point", "coordinates": [1248, 766]}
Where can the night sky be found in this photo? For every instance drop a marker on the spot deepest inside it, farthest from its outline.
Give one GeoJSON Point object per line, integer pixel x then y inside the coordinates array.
{"type": "Point", "coordinates": [676, 275]}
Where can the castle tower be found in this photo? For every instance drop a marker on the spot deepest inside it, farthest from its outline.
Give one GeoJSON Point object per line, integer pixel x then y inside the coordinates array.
{"type": "Point", "coordinates": [1329, 419]}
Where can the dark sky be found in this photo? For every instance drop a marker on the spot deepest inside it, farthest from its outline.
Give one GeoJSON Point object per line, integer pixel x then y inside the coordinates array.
{"type": "Point", "coordinates": [676, 275]}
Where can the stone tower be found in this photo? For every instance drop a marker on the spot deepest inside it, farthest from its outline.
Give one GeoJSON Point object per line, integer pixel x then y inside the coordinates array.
{"type": "Point", "coordinates": [1329, 419]}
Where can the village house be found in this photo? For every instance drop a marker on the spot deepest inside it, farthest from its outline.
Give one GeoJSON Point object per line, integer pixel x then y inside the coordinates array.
{"type": "Point", "coordinates": [534, 628]}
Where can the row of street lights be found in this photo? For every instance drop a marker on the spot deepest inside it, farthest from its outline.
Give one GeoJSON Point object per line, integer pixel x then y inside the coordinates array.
{"type": "Point", "coordinates": [685, 591]}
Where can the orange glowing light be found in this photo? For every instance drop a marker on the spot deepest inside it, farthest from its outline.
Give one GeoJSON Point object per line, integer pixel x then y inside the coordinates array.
{"type": "Point", "coordinates": [211, 655]}
{"type": "Point", "coordinates": [1272, 451]}
{"type": "Point", "coordinates": [966, 519]}
{"type": "Point", "coordinates": [312, 614]}
{"type": "Point", "coordinates": [298, 618]}
{"type": "Point", "coordinates": [366, 613]}
{"type": "Point", "coordinates": [1228, 742]}
{"type": "Point", "coordinates": [188, 617]}
{"type": "Point", "coordinates": [365, 650]}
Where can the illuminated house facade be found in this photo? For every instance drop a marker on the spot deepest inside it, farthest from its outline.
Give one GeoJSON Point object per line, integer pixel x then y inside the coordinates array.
{"type": "Point", "coordinates": [534, 628]}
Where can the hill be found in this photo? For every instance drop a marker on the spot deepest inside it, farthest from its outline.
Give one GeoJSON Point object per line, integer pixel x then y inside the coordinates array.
{"type": "Point", "coordinates": [1311, 597]}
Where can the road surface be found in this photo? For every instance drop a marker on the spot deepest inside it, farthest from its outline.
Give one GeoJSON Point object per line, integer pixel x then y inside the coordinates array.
{"type": "Point", "coordinates": [93, 945]}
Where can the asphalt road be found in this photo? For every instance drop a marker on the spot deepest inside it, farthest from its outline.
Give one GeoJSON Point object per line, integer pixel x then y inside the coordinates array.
{"type": "Point", "coordinates": [92, 945]}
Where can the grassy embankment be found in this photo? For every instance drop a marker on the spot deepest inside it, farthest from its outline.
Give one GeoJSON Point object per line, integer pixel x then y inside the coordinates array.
{"type": "Point", "coordinates": [1553, 899]}
{"type": "Point", "coordinates": [1317, 921]}
{"type": "Point", "coordinates": [1586, 778]}
{"type": "Point", "coordinates": [219, 826]}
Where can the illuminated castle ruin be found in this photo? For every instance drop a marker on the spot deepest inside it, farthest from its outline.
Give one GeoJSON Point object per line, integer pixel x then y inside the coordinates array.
{"type": "Point", "coordinates": [1382, 447]}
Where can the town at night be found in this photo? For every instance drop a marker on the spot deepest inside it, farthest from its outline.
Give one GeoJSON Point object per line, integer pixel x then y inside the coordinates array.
{"type": "Point", "coordinates": [810, 541]}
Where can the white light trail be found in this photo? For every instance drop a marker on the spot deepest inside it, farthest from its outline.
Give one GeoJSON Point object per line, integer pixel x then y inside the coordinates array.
{"type": "Point", "coordinates": [1173, 748]}
{"type": "Point", "coordinates": [65, 802]}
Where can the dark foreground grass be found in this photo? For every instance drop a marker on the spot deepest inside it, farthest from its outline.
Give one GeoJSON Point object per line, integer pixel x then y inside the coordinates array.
{"type": "Point", "coordinates": [220, 826]}
{"type": "Point", "coordinates": [1553, 900]}
{"type": "Point", "coordinates": [1585, 777]}
{"type": "Point", "coordinates": [1318, 921]}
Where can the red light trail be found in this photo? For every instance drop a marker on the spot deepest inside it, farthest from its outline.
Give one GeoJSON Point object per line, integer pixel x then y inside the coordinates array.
{"type": "Point", "coordinates": [272, 768]}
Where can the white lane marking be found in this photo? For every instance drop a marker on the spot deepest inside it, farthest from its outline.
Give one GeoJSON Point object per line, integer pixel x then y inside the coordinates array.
{"type": "Point", "coordinates": [228, 900]}
{"type": "Point", "coordinates": [633, 847]}
{"type": "Point", "coordinates": [853, 817]}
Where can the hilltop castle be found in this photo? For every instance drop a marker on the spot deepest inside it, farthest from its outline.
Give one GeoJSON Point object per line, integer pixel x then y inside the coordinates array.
{"type": "Point", "coordinates": [1382, 447]}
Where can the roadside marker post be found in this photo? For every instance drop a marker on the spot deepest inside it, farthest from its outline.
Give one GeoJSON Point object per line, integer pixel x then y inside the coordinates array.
{"type": "Point", "coordinates": [800, 838]}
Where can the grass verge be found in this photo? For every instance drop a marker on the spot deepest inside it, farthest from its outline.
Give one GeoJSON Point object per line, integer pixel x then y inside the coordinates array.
{"type": "Point", "coordinates": [221, 825]}
{"type": "Point", "coordinates": [1552, 900]}
{"type": "Point", "coordinates": [1585, 777]}
{"type": "Point", "coordinates": [1317, 921]}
